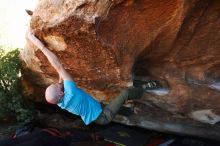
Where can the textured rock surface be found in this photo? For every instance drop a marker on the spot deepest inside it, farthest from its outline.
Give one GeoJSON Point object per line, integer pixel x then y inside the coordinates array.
{"type": "Point", "coordinates": [105, 44]}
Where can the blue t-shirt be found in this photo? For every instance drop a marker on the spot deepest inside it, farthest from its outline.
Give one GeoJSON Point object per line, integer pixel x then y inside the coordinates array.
{"type": "Point", "coordinates": [80, 103]}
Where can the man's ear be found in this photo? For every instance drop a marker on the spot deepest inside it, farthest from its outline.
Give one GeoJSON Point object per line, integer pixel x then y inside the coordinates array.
{"type": "Point", "coordinates": [61, 93]}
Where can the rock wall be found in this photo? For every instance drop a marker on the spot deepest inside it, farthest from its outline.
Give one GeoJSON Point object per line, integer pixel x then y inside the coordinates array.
{"type": "Point", "coordinates": [106, 44]}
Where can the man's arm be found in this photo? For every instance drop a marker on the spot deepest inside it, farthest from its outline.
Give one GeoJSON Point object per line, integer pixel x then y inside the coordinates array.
{"type": "Point", "coordinates": [54, 61]}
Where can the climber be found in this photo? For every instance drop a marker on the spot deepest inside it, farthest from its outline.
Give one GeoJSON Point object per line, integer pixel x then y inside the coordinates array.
{"type": "Point", "coordinates": [68, 96]}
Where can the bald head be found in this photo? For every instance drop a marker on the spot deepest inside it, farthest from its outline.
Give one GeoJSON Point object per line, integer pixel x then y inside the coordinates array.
{"type": "Point", "coordinates": [54, 93]}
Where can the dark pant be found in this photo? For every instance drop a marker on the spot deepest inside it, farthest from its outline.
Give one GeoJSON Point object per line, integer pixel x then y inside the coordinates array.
{"type": "Point", "coordinates": [110, 110]}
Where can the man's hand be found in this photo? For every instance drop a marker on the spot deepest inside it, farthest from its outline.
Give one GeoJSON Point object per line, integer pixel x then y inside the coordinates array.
{"type": "Point", "coordinates": [35, 40]}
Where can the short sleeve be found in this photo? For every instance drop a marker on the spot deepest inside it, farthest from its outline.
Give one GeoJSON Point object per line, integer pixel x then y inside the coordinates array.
{"type": "Point", "coordinates": [69, 86]}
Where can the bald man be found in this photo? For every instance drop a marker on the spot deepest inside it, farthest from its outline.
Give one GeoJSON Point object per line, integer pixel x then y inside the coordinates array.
{"type": "Point", "coordinates": [68, 96]}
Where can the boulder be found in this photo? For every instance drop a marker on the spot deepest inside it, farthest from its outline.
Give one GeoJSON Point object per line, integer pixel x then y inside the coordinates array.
{"type": "Point", "coordinates": [106, 44]}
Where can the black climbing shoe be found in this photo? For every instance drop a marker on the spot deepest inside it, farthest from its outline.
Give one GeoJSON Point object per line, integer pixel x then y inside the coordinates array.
{"type": "Point", "coordinates": [151, 86]}
{"type": "Point", "coordinates": [147, 85]}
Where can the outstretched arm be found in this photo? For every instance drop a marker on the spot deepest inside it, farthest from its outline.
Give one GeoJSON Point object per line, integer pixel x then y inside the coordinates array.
{"type": "Point", "coordinates": [54, 61]}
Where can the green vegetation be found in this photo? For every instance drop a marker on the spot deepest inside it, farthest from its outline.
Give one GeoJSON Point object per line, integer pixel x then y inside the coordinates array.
{"type": "Point", "coordinates": [11, 98]}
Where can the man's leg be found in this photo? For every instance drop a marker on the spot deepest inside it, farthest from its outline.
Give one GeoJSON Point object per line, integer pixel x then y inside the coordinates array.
{"type": "Point", "coordinates": [110, 110]}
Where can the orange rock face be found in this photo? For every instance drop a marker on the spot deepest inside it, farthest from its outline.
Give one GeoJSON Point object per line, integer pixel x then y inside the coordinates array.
{"type": "Point", "coordinates": [107, 44]}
